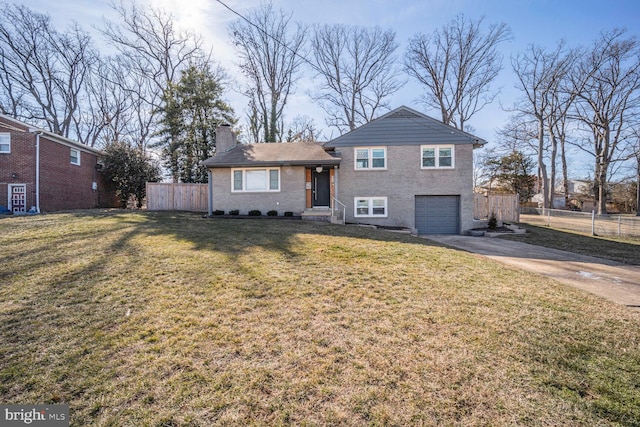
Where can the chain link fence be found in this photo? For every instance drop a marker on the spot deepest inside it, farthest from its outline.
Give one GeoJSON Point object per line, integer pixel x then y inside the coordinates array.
{"type": "Point", "coordinates": [585, 222]}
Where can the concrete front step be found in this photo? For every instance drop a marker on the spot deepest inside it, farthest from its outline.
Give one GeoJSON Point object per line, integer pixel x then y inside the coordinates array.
{"type": "Point", "coordinates": [318, 215]}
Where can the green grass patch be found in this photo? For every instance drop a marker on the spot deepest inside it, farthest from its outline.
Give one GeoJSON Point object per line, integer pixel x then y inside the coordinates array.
{"type": "Point", "coordinates": [621, 249]}
{"type": "Point", "coordinates": [169, 319]}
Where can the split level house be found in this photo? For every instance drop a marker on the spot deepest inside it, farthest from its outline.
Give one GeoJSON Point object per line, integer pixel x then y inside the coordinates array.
{"type": "Point", "coordinates": [403, 169]}
{"type": "Point", "coordinates": [44, 172]}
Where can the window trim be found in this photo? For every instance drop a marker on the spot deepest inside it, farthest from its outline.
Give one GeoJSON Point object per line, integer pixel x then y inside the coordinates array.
{"type": "Point", "coordinates": [370, 213]}
{"type": "Point", "coordinates": [71, 157]}
{"type": "Point", "coordinates": [8, 135]}
{"type": "Point", "coordinates": [244, 171]}
{"type": "Point", "coordinates": [437, 148]}
{"type": "Point", "coordinates": [369, 158]}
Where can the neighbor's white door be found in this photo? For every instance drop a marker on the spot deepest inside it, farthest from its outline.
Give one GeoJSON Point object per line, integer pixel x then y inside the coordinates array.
{"type": "Point", "coordinates": [18, 197]}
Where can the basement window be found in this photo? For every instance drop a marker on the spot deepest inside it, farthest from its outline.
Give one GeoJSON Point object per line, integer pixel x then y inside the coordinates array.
{"type": "Point", "coordinates": [370, 206]}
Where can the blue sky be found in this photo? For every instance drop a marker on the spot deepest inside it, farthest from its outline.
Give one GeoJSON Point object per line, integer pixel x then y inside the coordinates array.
{"type": "Point", "coordinates": [542, 22]}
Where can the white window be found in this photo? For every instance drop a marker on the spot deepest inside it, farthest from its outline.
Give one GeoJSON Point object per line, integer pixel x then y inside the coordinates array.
{"type": "Point", "coordinates": [255, 180]}
{"type": "Point", "coordinates": [370, 158]}
{"type": "Point", "coordinates": [5, 142]}
{"type": "Point", "coordinates": [75, 156]}
{"type": "Point", "coordinates": [437, 156]}
{"type": "Point", "coordinates": [370, 206]}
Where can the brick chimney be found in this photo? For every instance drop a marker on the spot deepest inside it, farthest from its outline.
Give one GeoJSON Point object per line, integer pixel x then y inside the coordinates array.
{"type": "Point", "coordinates": [225, 138]}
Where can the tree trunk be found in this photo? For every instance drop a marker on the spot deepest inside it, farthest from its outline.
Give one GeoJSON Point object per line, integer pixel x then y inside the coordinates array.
{"type": "Point", "coordinates": [638, 186]}
{"type": "Point", "coordinates": [602, 194]}
{"type": "Point", "coordinates": [565, 174]}
{"type": "Point", "coordinates": [601, 181]}
{"type": "Point", "coordinates": [542, 167]}
{"type": "Point", "coordinates": [554, 153]}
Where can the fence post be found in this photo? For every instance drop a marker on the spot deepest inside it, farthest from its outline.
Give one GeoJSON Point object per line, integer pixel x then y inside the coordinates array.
{"type": "Point", "coordinates": [619, 224]}
{"type": "Point", "coordinates": [548, 218]}
{"type": "Point", "coordinates": [593, 223]}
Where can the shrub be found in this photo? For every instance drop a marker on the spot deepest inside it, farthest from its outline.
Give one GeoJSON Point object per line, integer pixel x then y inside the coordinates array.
{"type": "Point", "coordinates": [234, 212]}
{"type": "Point", "coordinates": [493, 221]}
{"type": "Point", "coordinates": [218, 212]}
{"type": "Point", "coordinates": [288, 213]}
{"type": "Point", "coordinates": [272, 213]}
{"type": "Point", "coordinates": [255, 212]}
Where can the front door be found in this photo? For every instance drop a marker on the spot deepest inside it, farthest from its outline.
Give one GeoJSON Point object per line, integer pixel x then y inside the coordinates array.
{"type": "Point", "coordinates": [18, 197]}
{"type": "Point", "coordinates": [321, 188]}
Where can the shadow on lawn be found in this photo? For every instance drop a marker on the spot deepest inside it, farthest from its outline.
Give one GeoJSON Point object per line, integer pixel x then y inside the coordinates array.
{"type": "Point", "coordinates": [60, 276]}
{"type": "Point", "coordinates": [59, 288]}
{"type": "Point", "coordinates": [234, 236]}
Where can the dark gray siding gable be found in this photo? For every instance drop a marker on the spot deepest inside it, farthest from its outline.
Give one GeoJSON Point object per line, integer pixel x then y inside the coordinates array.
{"type": "Point", "coordinates": [404, 126]}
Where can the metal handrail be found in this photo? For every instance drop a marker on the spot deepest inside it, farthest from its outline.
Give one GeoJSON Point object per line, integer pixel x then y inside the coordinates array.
{"type": "Point", "coordinates": [344, 208]}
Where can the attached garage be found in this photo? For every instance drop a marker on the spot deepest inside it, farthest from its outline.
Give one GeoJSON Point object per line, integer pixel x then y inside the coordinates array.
{"type": "Point", "coordinates": [438, 214]}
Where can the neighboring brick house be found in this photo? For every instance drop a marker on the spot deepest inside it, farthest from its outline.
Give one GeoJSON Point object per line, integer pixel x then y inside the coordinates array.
{"type": "Point", "coordinates": [404, 169]}
{"type": "Point", "coordinates": [44, 172]}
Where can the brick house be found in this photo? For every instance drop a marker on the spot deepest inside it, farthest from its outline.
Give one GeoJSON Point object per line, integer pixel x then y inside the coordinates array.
{"type": "Point", "coordinates": [403, 169]}
{"type": "Point", "coordinates": [44, 172]}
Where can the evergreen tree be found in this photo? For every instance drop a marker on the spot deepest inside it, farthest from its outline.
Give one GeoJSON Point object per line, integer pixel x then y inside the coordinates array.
{"type": "Point", "coordinates": [130, 170]}
{"type": "Point", "coordinates": [193, 108]}
{"type": "Point", "coordinates": [513, 173]}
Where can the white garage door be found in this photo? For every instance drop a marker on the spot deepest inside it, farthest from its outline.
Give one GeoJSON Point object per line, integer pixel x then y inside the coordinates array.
{"type": "Point", "coordinates": [438, 214]}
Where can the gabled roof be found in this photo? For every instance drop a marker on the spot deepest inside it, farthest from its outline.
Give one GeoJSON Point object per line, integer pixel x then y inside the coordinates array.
{"type": "Point", "coordinates": [404, 126]}
{"type": "Point", "coordinates": [49, 135]}
{"type": "Point", "coordinates": [272, 154]}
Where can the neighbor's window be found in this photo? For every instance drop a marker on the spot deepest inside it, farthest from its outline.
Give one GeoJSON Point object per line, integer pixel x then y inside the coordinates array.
{"type": "Point", "coordinates": [5, 142]}
{"type": "Point", "coordinates": [370, 206]}
{"type": "Point", "coordinates": [75, 156]}
{"type": "Point", "coordinates": [371, 158]}
{"type": "Point", "coordinates": [255, 180]}
{"type": "Point", "coordinates": [437, 156]}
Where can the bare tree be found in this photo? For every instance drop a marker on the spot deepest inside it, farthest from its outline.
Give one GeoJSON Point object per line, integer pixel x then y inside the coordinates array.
{"type": "Point", "coordinates": [608, 88]}
{"type": "Point", "coordinates": [561, 99]}
{"type": "Point", "coordinates": [457, 64]}
{"type": "Point", "coordinates": [43, 72]}
{"type": "Point", "coordinates": [539, 74]}
{"type": "Point", "coordinates": [110, 113]}
{"type": "Point", "coordinates": [270, 58]}
{"type": "Point", "coordinates": [356, 65]}
{"type": "Point", "coordinates": [154, 51]}
{"type": "Point", "coordinates": [303, 129]}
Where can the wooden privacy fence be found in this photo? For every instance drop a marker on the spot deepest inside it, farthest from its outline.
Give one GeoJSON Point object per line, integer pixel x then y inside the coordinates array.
{"type": "Point", "coordinates": [176, 197]}
{"type": "Point", "coordinates": [505, 206]}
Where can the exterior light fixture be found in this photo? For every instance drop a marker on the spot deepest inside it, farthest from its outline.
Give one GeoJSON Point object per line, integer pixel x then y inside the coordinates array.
{"type": "Point", "coordinates": [318, 169]}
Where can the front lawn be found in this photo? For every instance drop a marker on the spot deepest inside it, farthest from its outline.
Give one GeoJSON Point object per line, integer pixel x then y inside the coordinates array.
{"type": "Point", "coordinates": [169, 319]}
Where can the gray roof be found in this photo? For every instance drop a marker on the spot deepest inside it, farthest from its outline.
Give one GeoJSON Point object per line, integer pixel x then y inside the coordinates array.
{"type": "Point", "coordinates": [52, 136]}
{"type": "Point", "coordinates": [404, 126]}
{"type": "Point", "coordinates": [272, 154]}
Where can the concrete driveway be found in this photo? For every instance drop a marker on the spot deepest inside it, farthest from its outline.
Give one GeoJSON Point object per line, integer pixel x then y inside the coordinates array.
{"type": "Point", "coordinates": [614, 281]}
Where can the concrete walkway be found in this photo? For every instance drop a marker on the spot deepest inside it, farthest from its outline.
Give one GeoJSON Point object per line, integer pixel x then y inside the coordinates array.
{"type": "Point", "coordinates": [617, 282]}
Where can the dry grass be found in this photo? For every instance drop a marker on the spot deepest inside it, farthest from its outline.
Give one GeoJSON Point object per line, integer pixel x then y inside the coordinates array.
{"type": "Point", "coordinates": [174, 320]}
{"type": "Point", "coordinates": [621, 249]}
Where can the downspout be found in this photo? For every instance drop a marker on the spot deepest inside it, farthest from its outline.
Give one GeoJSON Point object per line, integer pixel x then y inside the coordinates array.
{"type": "Point", "coordinates": [210, 192]}
{"type": "Point", "coordinates": [38, 171]}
